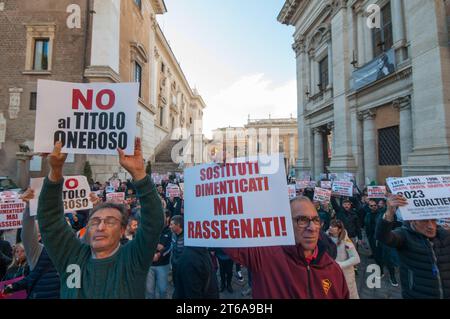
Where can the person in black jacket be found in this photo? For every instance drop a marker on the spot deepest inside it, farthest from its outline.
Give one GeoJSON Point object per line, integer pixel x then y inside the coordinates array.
{"type": "Point", "coordinates": [349, 217]}
{"type": "Point", "coordinates": [424, 252]}
{"type": "Point", "coordinates": [196, 278]}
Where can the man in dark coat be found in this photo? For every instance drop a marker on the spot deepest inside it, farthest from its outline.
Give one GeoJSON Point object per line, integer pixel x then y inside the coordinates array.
{"type": "Point", "coordinates": [424, 252]}
{"type": "Point", "coordinates": [196, 278]}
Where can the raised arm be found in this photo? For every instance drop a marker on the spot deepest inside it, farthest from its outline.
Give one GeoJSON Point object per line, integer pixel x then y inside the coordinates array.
{"type": "Point", "coordinates": [384, 232]}
{"type": "Point", "coordinates": [143, 247]}
{"type": "Point", "coordinates": [29, 234]}
{"type": "Point", "coordinates": [57, 236]}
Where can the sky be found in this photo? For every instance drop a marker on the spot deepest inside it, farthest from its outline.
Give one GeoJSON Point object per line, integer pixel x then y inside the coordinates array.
{"type": "Point", "coordinates": [237, 55]}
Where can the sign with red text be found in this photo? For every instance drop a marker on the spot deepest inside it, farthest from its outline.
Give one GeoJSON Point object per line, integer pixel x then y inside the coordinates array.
{"type": "Point", "coordinates": [75, 194]}
{"type": "Point", "coordinates": [322, 195]}
{"type": "Point", "coordinates": [115, 197]}
{"type": "Point", "coordinates": [376, 191]}
{"type": "Point", "coordinates": [342, 188]}
{"type": "Point", "coordinates": [172, 190]}
{"type": "Point", "coordinates": [428, 196]}
{"type": "Point", "coordinates": [95, 118]}
{"type": "Point", "coordinates": [301, 184]}
{"type": "Point", "coordinates": [292, 191]}
{"type": "Point", "coordinates": [242, 203]}
{"type": "Point", "coordinates": [8, 197]}
{"type": "Point", "coordinates": [11, 211]}
{"type": "Point", "coordinates": [325, 184]}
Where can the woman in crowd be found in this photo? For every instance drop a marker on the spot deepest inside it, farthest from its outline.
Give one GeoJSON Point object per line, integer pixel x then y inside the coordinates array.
{"type": "Point", "coordinates": [347, 256]}
{"type": "Point", "coordinates": [19, 266]}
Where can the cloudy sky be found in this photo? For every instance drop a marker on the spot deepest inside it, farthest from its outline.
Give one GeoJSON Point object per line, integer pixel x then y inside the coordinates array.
{"type": "Point", "coordinates": [237, 55]}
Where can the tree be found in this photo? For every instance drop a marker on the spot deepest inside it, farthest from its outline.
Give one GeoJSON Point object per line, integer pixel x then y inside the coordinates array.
{"type": "Point", "coordinates": [87, 171]}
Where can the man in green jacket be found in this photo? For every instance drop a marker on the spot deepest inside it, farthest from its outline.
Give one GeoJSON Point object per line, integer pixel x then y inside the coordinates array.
{"type": "Point", "coordinates": [103, 268]}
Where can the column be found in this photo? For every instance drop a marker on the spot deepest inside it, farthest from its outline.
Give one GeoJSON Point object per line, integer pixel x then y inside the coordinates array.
{"type": "Point", "coordinates": [154, 79]}
{"type": "Point", "coordinates": [406, 146]}
{"type": "Point", "coordinates": [368, 47]}
{"type": "Point", "coordinates": [361, 40]}
{"type": "Point", "coordinates": [343, 160]}
{"type": "Point", "coordinates": [318, 152]}
{"type": "Point", "coordinates": [398, 23]}
{"type": "Point", "coordinates": [330, 64]}
{"type": "Point", "coordinates": [23, 168]}
{"type": "Point", "coordinates": [370, 156]}
{"type": "Point", "coordinates": [291, 149]}
{"type": "Point", "coordinates": [312, 75]}
{"type": "Point", "coordinates": [303, 74]}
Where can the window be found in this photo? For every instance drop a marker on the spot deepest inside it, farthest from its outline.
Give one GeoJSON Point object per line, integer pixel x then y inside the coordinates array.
{"type": "Point", "coordinates": [323, 71]}
{"type": "Point", "coordinates": [138, 3]}
{"type": "Point", "coordinates": [41, 53]}
{"type": "Point", "coordinates": [138, 76]}
{"type": "Point", "coordinates": [33, 96]}
{"type": "Point", "coordinates": [389, 146]}
{"type": "Point", "coordinates": [382, 38]}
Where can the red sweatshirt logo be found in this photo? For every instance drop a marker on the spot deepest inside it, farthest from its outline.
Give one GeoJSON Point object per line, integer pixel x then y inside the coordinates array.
{"type": "Point", "coordinates": [326, 285]}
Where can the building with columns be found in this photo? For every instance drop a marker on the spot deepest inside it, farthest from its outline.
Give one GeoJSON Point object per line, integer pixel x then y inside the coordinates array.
{"type": "Point", "coordinates": [374, 93]}
{"type": "Point", "coordinates": [88, 41]}
{"type": "Point", "coordinates": [258, 136]}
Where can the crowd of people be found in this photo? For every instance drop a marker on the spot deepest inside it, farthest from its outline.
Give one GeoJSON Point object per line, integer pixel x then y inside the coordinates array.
{"type": "Point", "coordinates": [135, 248]}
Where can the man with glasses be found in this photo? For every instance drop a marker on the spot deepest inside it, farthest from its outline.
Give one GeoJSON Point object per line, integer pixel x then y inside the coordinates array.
{"type": "Point", "coordinates": [303, 271]}
{"type": "Point", "coordinates": [424, 251]}
{"type": "Point", "coordinates": [103, 268]}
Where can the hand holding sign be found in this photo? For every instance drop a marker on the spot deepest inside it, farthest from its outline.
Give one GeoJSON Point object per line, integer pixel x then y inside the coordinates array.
{"type": "Point", "coordinates": [56, 161]}
{"type": "Point", "coordinates": [393, 203]}
{"type": "Point", "coordinates": [28, 195]}
{"type": "Point", "coordinates": [134, 164]}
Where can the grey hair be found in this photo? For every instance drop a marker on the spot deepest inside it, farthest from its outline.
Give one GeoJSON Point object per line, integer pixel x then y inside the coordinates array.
{"type": "Point", "coordinates": [300, 199]}
{"type": "Point", "coordinates": [119, 207]}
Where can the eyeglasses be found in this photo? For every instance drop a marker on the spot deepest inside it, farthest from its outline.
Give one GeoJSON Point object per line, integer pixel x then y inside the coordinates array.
{"type": "Point", "coordinates": [373, 206]}
{"type": "Point", "coordinates": [109, 221]}
{"type": "Point", "coordinates": [304, 221]}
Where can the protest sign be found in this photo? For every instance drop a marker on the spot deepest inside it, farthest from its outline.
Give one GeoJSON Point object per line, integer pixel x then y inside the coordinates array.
{"type": "Point", "coordinates": [301, 184]}
{"type": "Point", "coordinates": [75, 193]}
{"type": "Point", "coordinates": [322, 195]}
{"type": "Point", "coordinates": [333, 176]}
{"type": "Point", "coordinates": [172, 191]}
{"type": "Point", "coordinates": [181, 186]}
{"type": "Point", "coordinates": [323, 176]}
{"type": "Point", "coordinates": [445, 222]}
{"type": "Point", "coordinates": [110, 189]}
{"type": "Point", "coordinates": [342, 188]}
{"type": "Point", "coordinates": [11, 211]}
{"type": "Point", "coordinates": [325, 184]}
{"type": "Point", "coordinates": [312, 184]}
{"type": "Point", "coordinates": [243, 203]}
{"type": "Point", "coordinates": [115, 197]}
{"type": "Point", "coordinates": [376, 191]}
{"type": "Point", "coordinates": [428, 196]}
{"type": "Point", "coordinates": [95, 118]}
{"type": "Point", "coordinates": [8, 197]}
{"type": "Point", "coordinates": [292, 191]}
{"type": "Point", "coordinates": [348, 177]}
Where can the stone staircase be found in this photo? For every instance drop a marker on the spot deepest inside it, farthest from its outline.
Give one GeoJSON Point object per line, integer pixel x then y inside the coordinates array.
{"type": "Point", "coordinates": [163, 158]}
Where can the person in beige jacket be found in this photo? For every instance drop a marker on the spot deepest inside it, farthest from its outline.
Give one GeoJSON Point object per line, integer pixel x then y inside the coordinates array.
{"type": "Point", "coordinates": [347, 255]}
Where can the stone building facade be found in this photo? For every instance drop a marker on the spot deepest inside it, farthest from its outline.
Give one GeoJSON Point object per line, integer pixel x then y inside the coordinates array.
{"type": "Point", "coordinates": [259, 136]}
{"type": "Point", "coordinates": [373, 85]}
{"type": "Point", "coordinates": [111, 41]}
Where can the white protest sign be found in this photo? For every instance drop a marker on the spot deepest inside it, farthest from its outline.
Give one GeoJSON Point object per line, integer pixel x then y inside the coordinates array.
{"type": "Point", "coordinates": [172, 191]}
{"type": "Point", "coordinates": [428, 196]}
{"type": "Point", "coordinates": [11, 212]}
{"type": "Point", "coordinates": [110, 189]}
{"type": "Point", "coordinates": [342, 188]}
{"type": "Point", "coordinates": [292, 191]}
{"type": "Point", "coordinates": [325, 184]}
{"type": "Point", "coordinates": [115, 197]}
{"type": "Point", "coordinates": [95, 118]}
{"type": "Point", "coordinates": [243, 203]}
{"type": "Point", "coordinates": [75, 193]}
{"type": "Point", "coordinates": [8, 196]}
{"type": "Point", "coordinates": [376, 191]}
{"type": "Point", "coordinates": [312, 184]}
{"type": "Point", "coordinates": [301, 184]}
{"type": "Point", "coordinates": [445, 222]}
{"type": "Point", "coordinates": [333, 176]}
{"type": "Point", "coordinates": [348, 177]}
{"type": "Point", "coordinates": [322, 195]}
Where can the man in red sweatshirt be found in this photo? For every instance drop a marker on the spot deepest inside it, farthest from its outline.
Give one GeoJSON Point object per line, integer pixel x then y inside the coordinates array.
{"type": "Point", "coordinates": [303, 271]}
